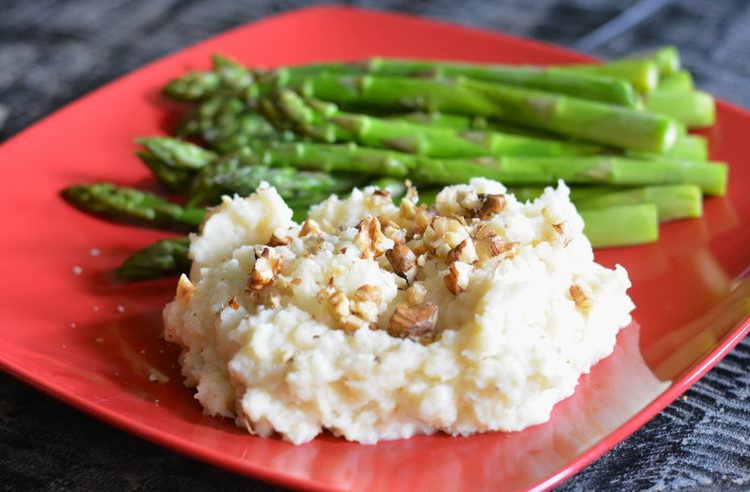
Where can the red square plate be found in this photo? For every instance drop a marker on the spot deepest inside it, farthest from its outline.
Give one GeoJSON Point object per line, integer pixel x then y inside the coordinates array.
{"type": "Point", "coordinates": [72, 331]}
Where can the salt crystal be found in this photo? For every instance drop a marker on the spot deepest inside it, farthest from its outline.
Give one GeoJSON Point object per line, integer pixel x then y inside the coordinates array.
{"type": "Point", "coordinates": [120, 308]}
{"type": "Point", "coordinates": [77, 270]}
{"type": "Point", "coordinates": [94, 252]}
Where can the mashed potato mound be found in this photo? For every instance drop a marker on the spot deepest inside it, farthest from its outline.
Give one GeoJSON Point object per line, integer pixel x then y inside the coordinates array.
{"type": "Point", "coordinates": [378, 321]}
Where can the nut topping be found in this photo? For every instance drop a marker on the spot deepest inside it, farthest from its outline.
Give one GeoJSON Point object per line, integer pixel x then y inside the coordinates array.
{"type": "Point", "coordinates": [402, 259]}
{"type": "Point", "coordinates": [185, 289]}
{"type": "Point", "coordinates": [369, 293]}
{"type": "Point", "coordinates": [416, 323]}
{"type": "Point", "coordinates": [369, 238]}
{"type": "Point", "coordinates": [457, 279]}
{"type": "Point", "coordinates": [491, 245]}
{"type": "Point", "coordinates": [233, 303]}
{"type": "Point", "coordinates": [309, 227]}
{"type": "Point", "coordinates": [279, 241]}
{"type": "Point", "coordinates": [415, 294]}
{"type": "Point", "coordinates": [493, 204]}
{"type": "Point", "coordinates": [579, 297]}
{"type": "Point", "coordinates": [464, 251]}
{"type": "Point", "coordinates": [266, 267]}
{"type": "Point", "coordinates": [386, 222]}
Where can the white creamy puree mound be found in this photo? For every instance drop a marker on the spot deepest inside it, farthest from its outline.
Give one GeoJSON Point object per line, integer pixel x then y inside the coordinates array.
{"type": "Point", "coordinates": [378, 321]}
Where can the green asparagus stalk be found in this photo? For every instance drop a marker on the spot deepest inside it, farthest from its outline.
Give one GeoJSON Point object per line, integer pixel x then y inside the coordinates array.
{"type": "Point", "coordinates": [200, 85]}
{"type": "Point", "coordinates": [680, 81]}
{"type": "Point", "coordinates": [581, 85]}
{"type": "Point", "coordinates": [177, 153]}
{"type": "Point", "coordinates": [672, 201]}
{"type": "Point", "coordinates": [666, 58]}
{"type": "Point", "coordinates": [170, 178]}
{"type": "Point", "coordinates": [331, 125]}
{"type": "Point", "coordinates": [233, 174]}
{"type": "Point", "coordinates": [174, 162]}
{"type": "Point", "coordinates": [166, 257]}
{"type": "Point", "coordinates": [621, 226]}
{"type": "Point", "coordinates": [642, 73]}
{"type": "Point", "coordinates": [350, 158]}
{"type": "Point", "coordinates": [696, 109]}
{"type": "Point", "coordinates": [601, 123]}
{"type": "Point", "coordinates": [129, 204]}
{"type": "Point", "coordinates": [686, 147]}
{"type": "Point", "coordinates": [227, 76]}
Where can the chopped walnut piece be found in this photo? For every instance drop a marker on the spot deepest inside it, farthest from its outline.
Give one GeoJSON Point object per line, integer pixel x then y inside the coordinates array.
{"type": "Point", "coordinates": [416, 323]}
{"type": "Point", "coordinates": [369, 293]}
{"type": "Point", "coordinates": [419, 248]}
{"type": "Point", "coordinates": [464, 251]}
{"type": "Point", "coordinates": [579, 296]}
{"type": "Point", "coordinates": [402, 259]}
{"type": "Point", "coordinates": [422, 218]}
{"type": "Point", "coordinates": [386, 222]}
{"type": "Point", "coordinates": [469, 201]}
{"type": "Point", "coordinates": [233, 303]}
{"type": "Point", "coordinates": [369, 238]}
{"type": "Point", "coordinates": [296, 281]}
{"type": "Point", "coordinates": [443, 234]}
{"type": "Point", "coordinates": [339, 303]}
{"type": "Point", "coordinates": [266, 267]}
{"type": "Point", "coordinates": [391, 229]}
{"type": "Point", "coordinates": [185, 289]}
{"type": "Point", "coordinates": [309, 227]}
{"type": "Point", "coordinates": [415, 294]}
{"type": "Point", "coordinates": [491, 245]}
{"type": "Point", "coordinates": [381, 192]}
{"type": "Point", "coordinates": [279, 241]}
{"type": "Point", "coordinates": [493, 205]}
{"type": "Point", "coordinates": [457, 278]}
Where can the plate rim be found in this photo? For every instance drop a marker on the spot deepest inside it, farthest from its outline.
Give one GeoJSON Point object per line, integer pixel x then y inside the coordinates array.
{"type": "Point", "coordinates": [273, 475]}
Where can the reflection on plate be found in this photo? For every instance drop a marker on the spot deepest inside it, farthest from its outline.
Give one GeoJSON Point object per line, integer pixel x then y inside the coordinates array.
{"type": "Point", "coordinates": [93, 342]}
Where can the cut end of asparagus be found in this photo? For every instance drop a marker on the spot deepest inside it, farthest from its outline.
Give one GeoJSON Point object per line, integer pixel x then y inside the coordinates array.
{"type": "Point", "coordinates": [626, 225]}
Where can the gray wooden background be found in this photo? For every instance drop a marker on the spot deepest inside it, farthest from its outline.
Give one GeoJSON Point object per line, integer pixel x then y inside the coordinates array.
{"type": "Point", "coordinates": [52, 52]}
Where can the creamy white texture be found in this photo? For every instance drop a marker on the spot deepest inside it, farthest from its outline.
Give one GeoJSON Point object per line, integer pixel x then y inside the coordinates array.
{"type": "Point", "coordinates": [308, 352]}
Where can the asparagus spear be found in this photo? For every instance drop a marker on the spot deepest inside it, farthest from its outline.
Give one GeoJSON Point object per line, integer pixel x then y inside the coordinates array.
{"type": "Point", "coordinates": [666, 58]}
{"type": "Point", "coordinates": [122, 203]}
{"type": "Point", "coordinates": [236, 174]}
{"type": "Point", "coordinates": [172, 179]}
{"type": "Point", "coordinates": [582, 85]}
{"type": "Point", "coordinates": [174, 162]}
{"type": "Point", "coordinates": [672, 201]}
{"type": "Point", "coordinates": [643, 74]}
{"type": "Point", "coordinates": [350, 158]}
{"type": "Point", "coordinates": [601, 123]}
{"type": "Point", "coordinates": [227, 75]}
{"type": "Point", "coordinates": [621, 226]}
{"type": "Point", "coordinates": [331, 125]}
{"type": "Point", "coordinates": [163, 258]}
{"type": "Point", "coordinates": [679, 81]}
{"type": "Point", "coordinates": [696, 109]}
{"type": "Point", "coordinates": [177, 153]}
{"type": "Point", "coordinates": [687, 147]}
{"type": "Point", "coordinates": [588, 81]}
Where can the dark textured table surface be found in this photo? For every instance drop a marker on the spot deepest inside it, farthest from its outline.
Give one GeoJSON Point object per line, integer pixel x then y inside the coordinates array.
{"type": "Point", "coordinates": [52, 52]}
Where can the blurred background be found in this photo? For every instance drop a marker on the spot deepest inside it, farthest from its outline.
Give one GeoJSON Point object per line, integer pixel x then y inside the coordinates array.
{"type": "Point", "coordinates": [52, 52]}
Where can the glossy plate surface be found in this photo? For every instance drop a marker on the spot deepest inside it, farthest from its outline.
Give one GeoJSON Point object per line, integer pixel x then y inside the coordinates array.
{"type": "Point", "coordinates": [74, 332]}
